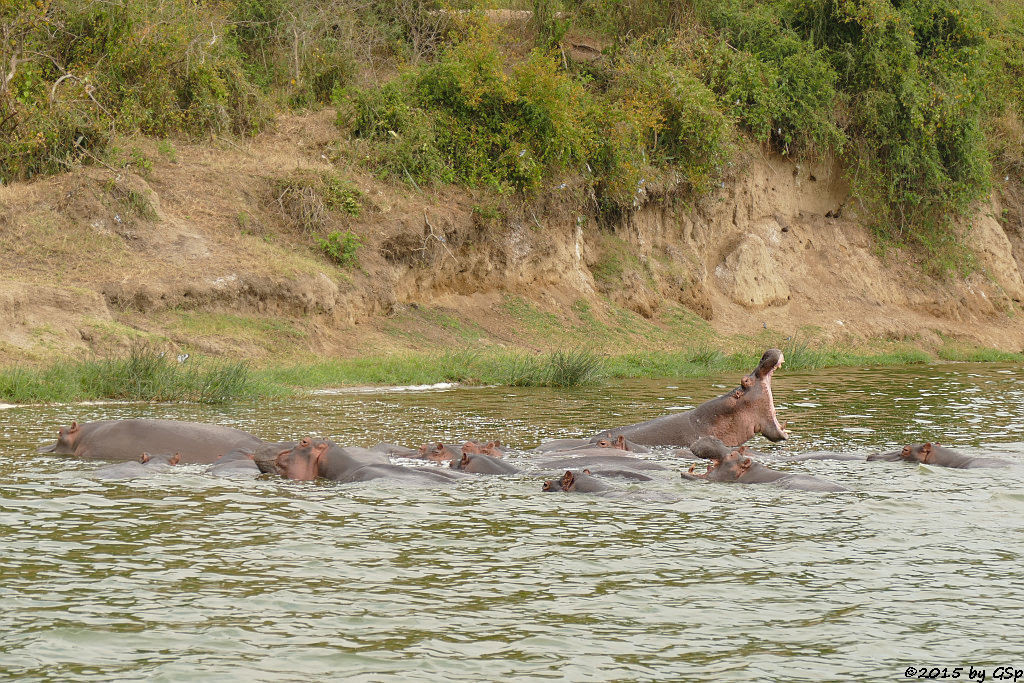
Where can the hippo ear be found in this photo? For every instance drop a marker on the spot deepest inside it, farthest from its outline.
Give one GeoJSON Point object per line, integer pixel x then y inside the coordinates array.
{"type": "Point", "coordinates": [251, 456]}
{"type": "Point", "coordinates": [737, 393]}
{"type": "Point", "coordinates": [175, 459]}
{"type": "Point", "coordinates": [74, 427]}
{"type": "Point", "coordinates": [145, 457]}
{"type": "Point", "coordinates": [464, 463]}
{"type": "Point", "coordinates": [746, 462]}
{"type": "Point", "coordinates": [567, 479]}
{"type": "Point", "coordinates": [586, 471]}
{"type": "Point", "coordinates": [320, 450]}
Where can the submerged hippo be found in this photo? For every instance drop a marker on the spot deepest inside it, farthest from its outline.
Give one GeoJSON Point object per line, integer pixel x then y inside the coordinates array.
{"type": "Point", "coordinates": [713, 448]}
{"type": "Point", "coordinates": [438, 452]}
{"type": "Point", "coordinates": [599, 457]}
{"type": "Point", "coordinates": [125, 439]}
{"type": "Point", "coordinates": [491, 448]}
{"type": "Point", "coordinates": [736, 467]}
{"type": "Point", "coordinates": [620, 443]}
{"type": "Point", "coordinates": [320, 458]}
{"type": "Point", "coordinates": [237, 464]}
{"type": "Point", "coordinates": [265, 454]}
{"type": "Point", "coordinates": [146, 465]}
{"type": "Point", "coordinates": [936, 454]}
{"type": "Point", "coordinates": [733, 417]}
{"type": "Point", "coordinates": [577, 482]}
{"type": "Point", "coordinates": [710, 448]}
{"type": "Point", "coordinates": [479, 463]}
{"type": "Point", "coordinates": [393, 449]}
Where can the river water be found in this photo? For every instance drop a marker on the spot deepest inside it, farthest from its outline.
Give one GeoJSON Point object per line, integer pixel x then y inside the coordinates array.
{"type": "Point", "coordinates": [189, 577]}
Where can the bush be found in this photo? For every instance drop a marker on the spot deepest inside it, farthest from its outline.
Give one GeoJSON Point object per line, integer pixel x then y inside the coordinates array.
{"type": "Point", "coordinates": [475, 118]}
{"type": "Point", "coordinates": [84, 70]}
{"type": "Point", "coordinates": [777, 84]}
{"type": "Point", "coordinates": [341, 247]}
{"type": "Point", "coordinates": [309, 198]}
{"type": "Point", "coordinates": [678, 123]}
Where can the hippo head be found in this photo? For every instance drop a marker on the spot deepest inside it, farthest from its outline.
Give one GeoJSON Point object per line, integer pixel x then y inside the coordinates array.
{"type": "Point", "coordinates": [749, 409]}
{"type": "Point", "coordinates": [436, 452]}
{"type": "Point", "coordinates": [918, 452]}
{"type": "Point", "coordinates": [301, 462]}
{"type": "Point", "coordinates": [618, 443]}
{"type": "Point", "coordinates": [729, 467]}
{"type": "Point", "coordinates": [709, 448]}
{"type": "Point", "coordinates": [161, 458]}
{"type": "Point", "coordinates": [552, 485]}
{"type": "Point", "coordinates": [67, 440]}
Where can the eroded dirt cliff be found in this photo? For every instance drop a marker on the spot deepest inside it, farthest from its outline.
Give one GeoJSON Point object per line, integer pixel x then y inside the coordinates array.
{"type": "Point", "coordinates": [199, 249]}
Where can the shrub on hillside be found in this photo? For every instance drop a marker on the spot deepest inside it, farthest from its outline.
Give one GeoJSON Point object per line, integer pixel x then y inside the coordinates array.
{"type": "Point", "coordinates": [475, 118]}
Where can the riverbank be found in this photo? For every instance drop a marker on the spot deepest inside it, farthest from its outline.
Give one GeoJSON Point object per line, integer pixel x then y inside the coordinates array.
{"type": "Point", "coordinates": [146, 375]}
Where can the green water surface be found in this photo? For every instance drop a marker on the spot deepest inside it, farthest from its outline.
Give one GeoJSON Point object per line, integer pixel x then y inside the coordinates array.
{"type": "Point", "coordinates": [188, 577]}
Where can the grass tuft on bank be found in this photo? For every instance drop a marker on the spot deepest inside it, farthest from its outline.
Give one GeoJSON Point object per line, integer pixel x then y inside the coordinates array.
{"type": "Point", "coordinates": [143, 374]}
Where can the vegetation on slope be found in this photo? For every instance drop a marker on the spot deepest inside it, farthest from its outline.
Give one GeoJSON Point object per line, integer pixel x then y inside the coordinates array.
{"type": "Point", "coordinates": [921, 98]}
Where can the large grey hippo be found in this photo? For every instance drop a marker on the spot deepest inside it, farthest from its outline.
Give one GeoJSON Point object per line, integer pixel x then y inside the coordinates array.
{"type": "Point", "coordinates": [733, 417]}
{"type": "Point", "coordinates": [124, 439]}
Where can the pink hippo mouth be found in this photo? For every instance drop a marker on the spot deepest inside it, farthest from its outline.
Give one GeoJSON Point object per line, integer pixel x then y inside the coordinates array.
{"type": "Point", "coordinates": [766, 384]}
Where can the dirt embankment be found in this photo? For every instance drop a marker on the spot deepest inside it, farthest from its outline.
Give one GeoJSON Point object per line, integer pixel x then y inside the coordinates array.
{"type": "Point", "coordinates": [197, 247]}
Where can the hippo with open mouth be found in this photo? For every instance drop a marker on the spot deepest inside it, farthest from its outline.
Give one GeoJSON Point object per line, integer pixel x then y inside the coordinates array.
{"type": "Point", "coordinates": [733, 417]}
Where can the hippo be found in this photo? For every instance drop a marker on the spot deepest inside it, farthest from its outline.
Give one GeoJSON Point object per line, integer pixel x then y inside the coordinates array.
{"type": "Point", "coordinates": [237, 464]}
{"type": "Point", "coordinates": [710, 448]}
{"type": "Point", "coordinates": [393, 449]}
{"type": "Point", "coordinates": [479, 463]}
{"type": "Point", "coordinates": [598, 457]}
{"type": "Point", "coordinates": [491, 448]}
{"type": "Point", "coordinates": [320, 458]}
{"type": "Point", "coordinates": [563, 445]}
{"type": "Point", "coordinates": [736, 467]}
{"type": "Point", "coordinates": [265, 454]}
{"type": "Point", "coordinates": [578, 482]}
{"type": "Point", "coordinates": [733, 417]}
{"type": "Point", "coordinates": [936, 454]}
{"type": "Point", "coordinates": [146, 465]}
{"type": "Point", "coordinates": [438, 452]}
{"type": "Point", "coordinates": [125, 439]}
{"type": "Point", "coordinates": [891, 456]}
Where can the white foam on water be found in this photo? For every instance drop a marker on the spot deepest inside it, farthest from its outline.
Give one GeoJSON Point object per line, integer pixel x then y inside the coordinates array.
{"type": "Point", "coordinates": [439, 386]}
